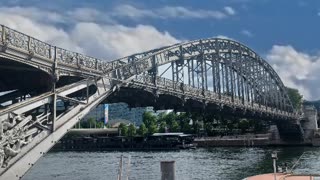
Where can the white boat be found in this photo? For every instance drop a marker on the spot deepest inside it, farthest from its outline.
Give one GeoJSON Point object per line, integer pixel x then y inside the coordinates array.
{"type": "Point", "coordinates": [287, 175]}
{"type": "Point", "coordinates": [284, 176]}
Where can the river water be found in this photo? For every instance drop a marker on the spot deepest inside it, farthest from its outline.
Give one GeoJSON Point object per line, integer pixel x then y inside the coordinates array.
{"type": "Point", "coordinates": [214, 163]}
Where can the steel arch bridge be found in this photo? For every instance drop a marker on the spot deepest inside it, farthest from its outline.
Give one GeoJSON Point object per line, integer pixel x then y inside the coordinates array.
{"type": "Point", "coordinates": [236, 71]}
{"type": "Point", "coordinates": [48, 89]}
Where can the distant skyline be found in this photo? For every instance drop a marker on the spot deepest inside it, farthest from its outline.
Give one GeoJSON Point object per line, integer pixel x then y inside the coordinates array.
{"type": "Point", "coordinates": [283, 32]}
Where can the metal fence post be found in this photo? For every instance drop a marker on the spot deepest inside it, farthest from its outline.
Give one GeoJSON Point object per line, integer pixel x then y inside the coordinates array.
{"type": "Point", "coordinates": [3, 37]}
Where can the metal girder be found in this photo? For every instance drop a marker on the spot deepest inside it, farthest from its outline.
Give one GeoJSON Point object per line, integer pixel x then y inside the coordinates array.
{"type": "Point", "coordinates": [225, 47]}
{"type": "Point", "coordinates": [23, 128]}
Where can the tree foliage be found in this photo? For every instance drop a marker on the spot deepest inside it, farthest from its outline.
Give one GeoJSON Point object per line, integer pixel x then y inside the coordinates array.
{"type": "Point", "coordinates": [131, 130]}
{"type": "Point", "coordinates": [243, 125]}
{"type": "Point", "coordinates": [123, 129]}
{"type": "Point", "coordinates": [295, 97]}
{"type": "Point", "coordinates": [163, 127]}
{"type": "Point", "coordinates": [150, 122]}
{"type": "Point", "coordinates": [185, 123]}
{"type": "Point", "coordinates": [142, 131]}
{"type": "Point", "coordinates": [198, 123]}
{"type": "Point", "coordinates": [91, 123]}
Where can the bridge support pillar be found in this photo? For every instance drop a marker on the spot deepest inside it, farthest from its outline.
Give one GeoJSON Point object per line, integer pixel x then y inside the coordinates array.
{"type": "Point", "coordinates": [54, 111]}
{"type": "Point", "coordinates": [309, 122]}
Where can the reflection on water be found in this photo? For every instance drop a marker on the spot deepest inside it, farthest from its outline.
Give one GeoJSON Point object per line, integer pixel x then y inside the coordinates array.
{"type": "Point", "coordinates": [215, 163]}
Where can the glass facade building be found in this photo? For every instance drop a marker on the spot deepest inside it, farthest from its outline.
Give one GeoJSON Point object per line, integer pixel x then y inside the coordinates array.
{"type": "Point", "coordinates": [118, 112]}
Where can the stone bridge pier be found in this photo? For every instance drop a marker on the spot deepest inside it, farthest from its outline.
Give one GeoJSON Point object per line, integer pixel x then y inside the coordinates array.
{"type": "Point", "coordinates": [309, 124]}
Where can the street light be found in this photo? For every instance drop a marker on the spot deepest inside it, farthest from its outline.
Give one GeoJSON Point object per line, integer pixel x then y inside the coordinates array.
{"type": "Point", "coordinates": [274, 158]}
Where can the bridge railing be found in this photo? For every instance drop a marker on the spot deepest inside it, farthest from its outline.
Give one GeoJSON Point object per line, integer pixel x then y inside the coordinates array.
{"type": "Point", "coordinates": [210, 95]}
{"type": "Point", "coordinates": [33, 47]}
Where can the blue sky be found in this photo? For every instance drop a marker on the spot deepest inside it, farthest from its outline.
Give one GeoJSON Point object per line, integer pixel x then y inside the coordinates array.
{"type": "Point", "coordinates": [284, 32]}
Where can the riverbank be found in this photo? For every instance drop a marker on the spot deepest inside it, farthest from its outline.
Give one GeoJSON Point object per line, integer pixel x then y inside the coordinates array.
{"type": "Point", "coordinates": [88, 140]}
{"type": "Point", "coordinates": [238, 141]}
{"type": "Point", "coordinates": [253, 140]}
{"type": "Point", "coordinates": [108, 140]}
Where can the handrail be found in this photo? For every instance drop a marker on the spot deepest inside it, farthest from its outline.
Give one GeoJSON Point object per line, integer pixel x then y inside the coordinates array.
{"type": "Point", "coordinates": [34, 47]}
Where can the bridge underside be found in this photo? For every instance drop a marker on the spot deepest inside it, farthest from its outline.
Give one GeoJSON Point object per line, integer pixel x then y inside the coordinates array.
{"type": "Point", "coordinates": [22, 77]}
{"type": "Point", "coordinates": [134, 97]}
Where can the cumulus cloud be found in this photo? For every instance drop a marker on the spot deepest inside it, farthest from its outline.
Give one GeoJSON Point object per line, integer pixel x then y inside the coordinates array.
{"type": "Point", "coordinates": [118, 40]}
{"type": "Point", "coordinates": [246, 33]}
{"type": "Point", "coordinates": [85, 35]}
{"type": "Point", "coordinates": [297, 69]}
{"type": "Point", "coordinates": [229, 10]}
{"type": "Point", "coordinates": [34, 14]}
{"type": "Point", "coordinates": [224, 37]}
{"type": "Point", "coordinates": [129, 11]}
{"type": "Point", "coordinates": [89, 15]}
{"type": "Point", "coordinates": [132, 12]}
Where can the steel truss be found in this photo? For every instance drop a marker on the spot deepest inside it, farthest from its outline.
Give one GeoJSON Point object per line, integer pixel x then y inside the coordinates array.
{"type": "Point", "coordinates": [223, 66]}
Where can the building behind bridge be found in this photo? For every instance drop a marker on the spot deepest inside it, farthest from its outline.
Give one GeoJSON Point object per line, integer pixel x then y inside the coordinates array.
{"type": "Point", "coordinates": [119, 112]}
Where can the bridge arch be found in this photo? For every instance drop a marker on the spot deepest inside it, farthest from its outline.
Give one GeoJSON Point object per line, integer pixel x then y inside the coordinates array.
{"type": "Point", "coordinates": [233, 67]}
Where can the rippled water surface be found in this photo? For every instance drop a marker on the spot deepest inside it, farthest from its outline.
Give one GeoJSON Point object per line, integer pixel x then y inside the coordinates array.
{"type": "Point", "coordinates": [215, 163]}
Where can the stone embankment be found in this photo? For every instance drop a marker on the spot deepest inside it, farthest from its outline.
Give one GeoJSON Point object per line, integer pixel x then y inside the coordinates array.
{"type": "Point", "coordinates": [255, 140]}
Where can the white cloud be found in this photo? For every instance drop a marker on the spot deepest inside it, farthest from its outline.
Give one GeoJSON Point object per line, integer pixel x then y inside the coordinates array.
{"type": "Point", "coordinates": [318, 13]}
{"type": "Point", "coordinates": [297, 69]}
{"type": "Point", "coordinates": [108, 41]}
{"type": "Point", "coordinates": [118, 40]}
{"type": "Point", "coordinates": [224, 37]}
{"type": "Point", "coordinates": [247, 33]}
{"type": "Point", "coordinates": [34, 27]}
{"type": "Point", "coordinates": [182, 12]}
{"type": "Point", "coordinates": [229, 10]}
{"type": "Point", "coordinates": [132, 12]}
{"type": "Point", "coordinates": [34, 13]}
{"type": "Point", "coordinates": [89, 15]}
{"type": "Point", "coordinates": [170, 12]}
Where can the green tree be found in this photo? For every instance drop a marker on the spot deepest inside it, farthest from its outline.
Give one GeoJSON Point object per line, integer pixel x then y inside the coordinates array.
{"type": "Point", "coordinates": [84, 124]}
{"type": "Point", "coordinates": [175, 126]}
{"type": "Point", "coordinates": [243, 125]}
{"type": "Point", "coordinates": [142, 130]}
{"type": "Point", "coordinates": [150, 122]}
{"type": "Point", "coordinates": [184, 122]}
{"type": "Point", "coordinates": [295, 97]}
{"type": "Point", "coordinates": [100, 124]}
{"type": "Point", "coordinates": [92, 122]}
{"type": "Point", "coordinates": [163, 127]}
{"type": "Point", "coordinates": [123, 129]}
{"type": "Point", "coordinates": [259, 125]}
{"type": "Point", "coordinates": [209, 128]}
{"type": "Point", "coordinates": [196, 118]}
{"type": "Point", "coordinates": [153, 129]}
{"type": "Point", "coordinates": [131, 130]}
{"type": "Point", "coordinates": [161, 117]}
{"type": "Point", "coordinates": [171, 121]}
